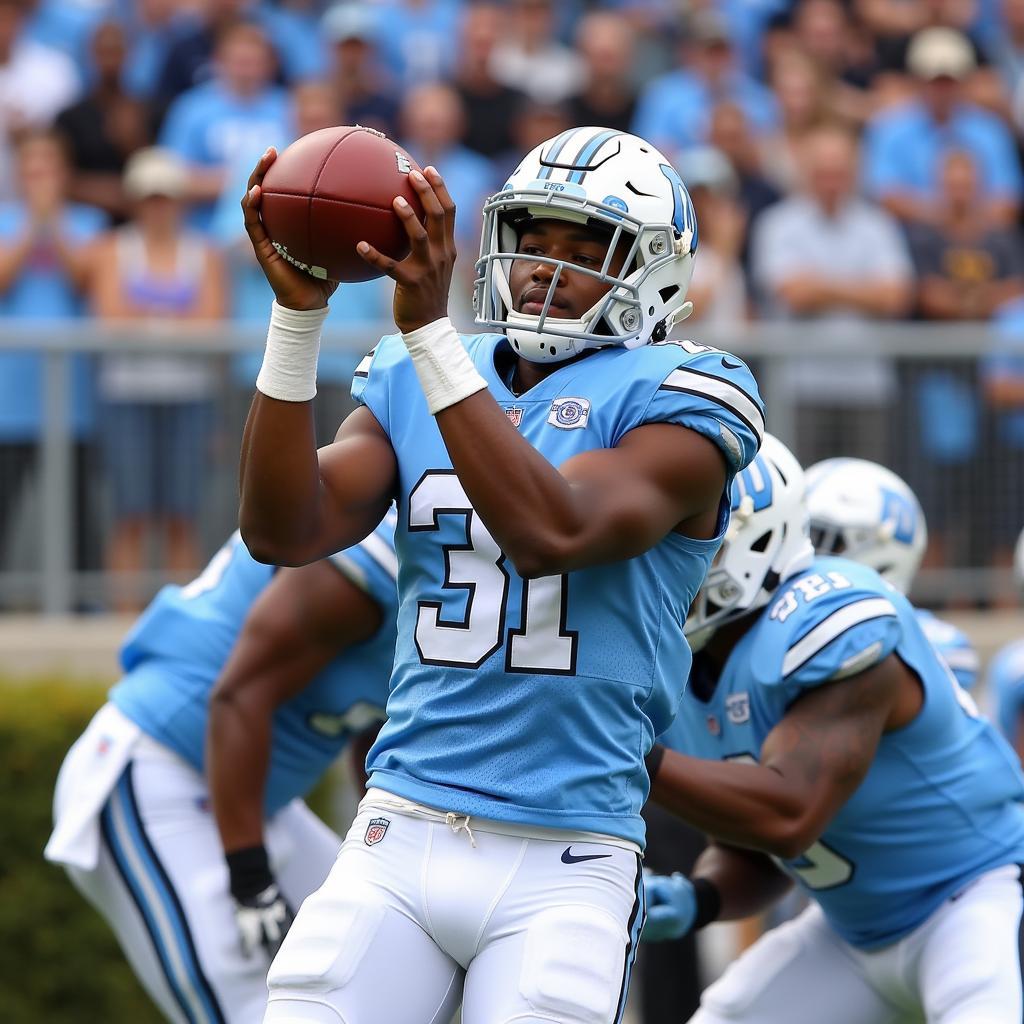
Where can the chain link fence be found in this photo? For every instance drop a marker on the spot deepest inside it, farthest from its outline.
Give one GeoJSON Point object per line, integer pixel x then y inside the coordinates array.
{"type": "Point", "coordinates": [106, 492]}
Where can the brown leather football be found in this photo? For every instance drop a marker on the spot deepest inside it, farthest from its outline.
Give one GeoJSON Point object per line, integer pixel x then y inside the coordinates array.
{"type": "Point", "coordinates": [332, 189]}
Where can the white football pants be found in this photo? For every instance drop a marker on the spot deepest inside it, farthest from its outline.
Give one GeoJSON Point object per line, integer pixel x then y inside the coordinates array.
{"type": "Point", "coordinates": [162, 884]}
{"type": "Point", "coordinates": [425, 909]}
{"type": "Point", "coordinates": [962, 966]}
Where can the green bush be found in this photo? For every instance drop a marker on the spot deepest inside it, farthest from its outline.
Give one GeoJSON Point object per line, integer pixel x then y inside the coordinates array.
{"type": "Point", "coordinates": [59, 961]}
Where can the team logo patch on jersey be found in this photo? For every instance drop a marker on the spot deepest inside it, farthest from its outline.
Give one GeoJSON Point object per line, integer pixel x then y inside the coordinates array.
{"type": "Point", "coordinates": [569, 413]}
{"type": "Point", "coordinates": [714, 726]}
{"type": "Point", "coordinates": [376, 831]}
{"type": "Point", "coordinates": [515, 415]}
{"type": "Point", "coordinates": [737, 708]}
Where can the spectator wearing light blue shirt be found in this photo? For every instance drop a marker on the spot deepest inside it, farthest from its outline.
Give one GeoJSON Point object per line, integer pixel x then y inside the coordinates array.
{"type": "Point", "coordinates": [417, 38]}
{"type": "Point", "coordinates": [42, 273]}
{"type": "Point", "coordinates": [674, 110]}
{"type": "Point", "coordinates": [237, 112]}
{"type": "Point", "coordinates": [905, 147]}
{"type": "Point", "coordinates": [431, 126]}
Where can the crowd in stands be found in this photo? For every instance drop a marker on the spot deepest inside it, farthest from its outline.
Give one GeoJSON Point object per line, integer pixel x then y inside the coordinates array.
{"type": "Point", "coordinates": [851, 161]}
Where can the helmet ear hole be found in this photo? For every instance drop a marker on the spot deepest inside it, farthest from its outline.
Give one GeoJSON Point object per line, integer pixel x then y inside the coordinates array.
{"type": "Point", "coordinates": [761, 544]}
{"type": "Point", "coordinates": [667, 292]}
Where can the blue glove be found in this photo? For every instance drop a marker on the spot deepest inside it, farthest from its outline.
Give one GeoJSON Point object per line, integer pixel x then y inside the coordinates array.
{"type": "Point", "coordinates": [671, 907]}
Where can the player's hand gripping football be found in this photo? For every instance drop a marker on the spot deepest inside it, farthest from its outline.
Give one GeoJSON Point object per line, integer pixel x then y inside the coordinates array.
{"type": "Point", "coordinates": [293, 288]}
{"type": "Point", "coordinates": [424, 277]}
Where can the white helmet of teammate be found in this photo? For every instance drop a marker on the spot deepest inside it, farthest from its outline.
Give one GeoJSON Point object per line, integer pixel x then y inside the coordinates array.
{"type": "Point", "coordinates": [766, 543]}
{"type": "Point", "coordinates": [865, 512]}
{"type": "Point", "coordinates": [604, 179]}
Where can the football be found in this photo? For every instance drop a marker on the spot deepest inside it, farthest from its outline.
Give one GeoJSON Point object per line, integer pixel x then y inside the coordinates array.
{"type": "Point", "coordinates": [332, 189]}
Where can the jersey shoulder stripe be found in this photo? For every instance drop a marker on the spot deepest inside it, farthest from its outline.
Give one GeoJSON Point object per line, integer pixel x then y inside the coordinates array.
{"type": "Point", "coordinates": [363, 369]}
{"type": "Point", "coordinates": [722, 392]}
{"type": "Point", "coordinates": [830, 629]}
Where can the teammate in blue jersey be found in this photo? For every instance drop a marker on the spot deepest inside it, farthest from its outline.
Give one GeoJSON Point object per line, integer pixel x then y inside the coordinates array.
{"type": "Point", "coordinates": [865, 512]}
{"type": "Point", "coordinates": [197, 900]}
{"type": "Point", "coordinates": [551, 475]}
{"type": "Point", "coordinates": [1005, 678]}
{"type": "Point", "coordinates": [827, 744]}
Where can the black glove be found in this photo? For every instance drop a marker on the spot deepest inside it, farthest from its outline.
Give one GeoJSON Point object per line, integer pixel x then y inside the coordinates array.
{"type": "Point", "coordinates": [262, 915]}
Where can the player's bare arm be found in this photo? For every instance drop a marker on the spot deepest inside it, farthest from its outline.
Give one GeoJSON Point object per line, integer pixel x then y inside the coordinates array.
{"type": "Point", "coordinates": [598, 507]}
{"type": "Point", "coordinates": [297, 506]}
{"type": "Point", "coordinates": [748, 882]}
{"type": "Point", "coordinates": [811, 763]}
{"type": "Point", "coordinates": [303, 620]}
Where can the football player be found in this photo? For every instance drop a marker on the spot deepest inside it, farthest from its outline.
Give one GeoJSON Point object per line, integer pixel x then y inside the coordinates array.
{"type": "Point", "coordinates": [200, 901]}
{"type": "Point", "coordinates": [863, 511]}
{"type": "Point", "coordinates": [1005, 677]}
{"type": "Point", "coordinates": [826, 743]}
{"type": "Point", "coordinates": [551, 474]}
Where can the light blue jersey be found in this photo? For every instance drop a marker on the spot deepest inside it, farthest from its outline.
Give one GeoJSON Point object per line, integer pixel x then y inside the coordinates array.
{"type": "Point", "coordinates": [1005, 689]}
{"type": "Point", "coordinates": [535, 701]}
{"type": "Point", "coordinates": [940, 803]}
{"type": "Point", "coordinates": [953, 645]}
{"type": "Point", "coordinates": [176, 650]}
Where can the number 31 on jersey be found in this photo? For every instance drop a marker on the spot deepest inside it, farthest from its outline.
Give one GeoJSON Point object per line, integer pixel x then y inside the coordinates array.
{"type": "Point", "coordinates": [539, 643]}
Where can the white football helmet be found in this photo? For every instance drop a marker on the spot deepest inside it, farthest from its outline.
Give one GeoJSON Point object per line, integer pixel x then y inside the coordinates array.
{"type": "Point", "coordinates": [766, 543]}
{"type": "Point", "coordinates": [604, 178]}
{"type": "Point", "coordinates": [865, 512]}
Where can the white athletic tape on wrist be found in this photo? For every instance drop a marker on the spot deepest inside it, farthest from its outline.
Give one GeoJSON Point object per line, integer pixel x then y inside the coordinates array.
{"type": "Point", "coordinates": [288, 372]}
{"type": "Point", "coordinates": [447, 374]}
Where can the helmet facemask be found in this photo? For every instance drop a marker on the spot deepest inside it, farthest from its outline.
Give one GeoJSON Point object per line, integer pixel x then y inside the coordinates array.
{"type": "Point", "coordinates": [625, 315]}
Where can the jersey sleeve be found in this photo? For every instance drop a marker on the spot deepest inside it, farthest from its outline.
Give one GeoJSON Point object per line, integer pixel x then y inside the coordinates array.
{"type": "Point", "coordinates": [708, 391]}
{"type": "Point", "coordinates": [370, 381]}
{"type": "Point", "coordinates": [373, 566]}
{"type": "Point", "coordinates": [824, 627]}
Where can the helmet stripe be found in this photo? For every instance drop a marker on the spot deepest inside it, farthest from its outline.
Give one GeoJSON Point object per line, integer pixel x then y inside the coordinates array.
{"type": "Point", "coordinates": [588, 152]}
{"type": "Point", "coordinates": [553, 151]}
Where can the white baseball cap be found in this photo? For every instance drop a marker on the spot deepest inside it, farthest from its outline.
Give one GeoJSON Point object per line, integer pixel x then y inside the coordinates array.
{"type": "Point", "coordinates": [940, 53]}
{"type": "Point", "coordinates": [155, 171]}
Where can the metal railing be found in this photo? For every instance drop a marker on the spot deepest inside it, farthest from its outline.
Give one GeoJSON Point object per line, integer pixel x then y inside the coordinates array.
{"type": "Point", "coordinates": [55, 584]}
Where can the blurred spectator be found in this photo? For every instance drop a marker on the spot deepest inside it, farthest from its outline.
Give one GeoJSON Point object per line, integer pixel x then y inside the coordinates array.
{"type": "Point", "coordinates": [432, 123]}
{"type": "Point", "coordinates": [533, 124]}
{"type": "Point", "coordinates": [157, 409]}
{"type": "Point", "coordinates": [1005, 49]}
{"type": "Point", "coordinates": [674, 110]}
{"type": "Point", "coordinates": [104, 127]}
{"type": "Point", "coordinates": [801, 92]}
{"type": "Point", "coordinates": [1003, 388]}
{"type": "Point", "coordinates": [417, 38]}
{"type": "Point", "coordinates": [154, 27]}
{"type": "Point", "coordinates": [825, 33]}
{"type": "Point", "coordinates": [363, 89]}
{"type": "Point", "coordinates": [607, 98]}
{"type": "Point", "coordinates": [904, 147]}
{"type": "Point", "coordinates": [530, 57]}
{"type": "Point", "coordinates": [490, 105]}
{"type": "Point", "coordinates": [238, 111]}
{"type": "Point", "coordinates": [192, 59]}
{"type": "Point", "coordinates": [828, 256]}
{"type": "Point", "coordinates": [967, 271]}
{"type": "Point", "coordinates": [966, 268]}
{"type": "Point", "coordinates": [893, 24]}
{"type": "Point", "coordinates": [42, 273]}
{"type": "Point", "coordinates": [36, 82]}
{"type": "Point", "coordinates": [717, 289]}
{"type": "Point", "coordinates": [730, 134]}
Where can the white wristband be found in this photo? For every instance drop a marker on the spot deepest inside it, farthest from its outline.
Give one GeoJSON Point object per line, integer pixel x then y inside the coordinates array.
{"type": "Point", "coordinates": [447, 374]}
{"type": "Point", "coordinates": [288, 372]}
